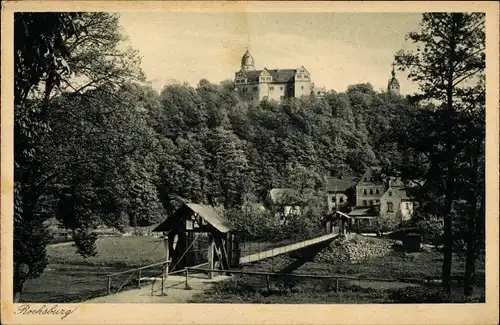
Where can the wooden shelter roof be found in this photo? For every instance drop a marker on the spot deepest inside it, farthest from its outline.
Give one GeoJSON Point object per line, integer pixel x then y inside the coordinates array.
{"type": "Point", "coordinates": [206, 212]}
{"type": "Point", "coordinates": [338, 215]}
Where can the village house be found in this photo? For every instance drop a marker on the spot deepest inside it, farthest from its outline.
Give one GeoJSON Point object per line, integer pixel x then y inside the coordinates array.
{"type": "Point", "coordinates": [337, 192]}
{"type": "Point", "coordinates": [380, 196]}
{"type": "Point", "coordinates": [284, 202]}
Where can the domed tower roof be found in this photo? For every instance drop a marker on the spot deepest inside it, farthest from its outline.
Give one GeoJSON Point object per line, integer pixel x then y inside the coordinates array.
{"type": "Point", "coordinates": [393, 85]}
{"type": "Point", "coordinates": [247, 62]}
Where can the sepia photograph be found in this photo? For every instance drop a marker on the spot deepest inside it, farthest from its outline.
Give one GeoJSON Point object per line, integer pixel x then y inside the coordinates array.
{"type": "Point", "coordinates": [237, 157]}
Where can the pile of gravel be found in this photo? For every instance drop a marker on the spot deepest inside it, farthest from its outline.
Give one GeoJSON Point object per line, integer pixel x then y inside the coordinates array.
{"type": "Point", "coordinates": [354, 249]}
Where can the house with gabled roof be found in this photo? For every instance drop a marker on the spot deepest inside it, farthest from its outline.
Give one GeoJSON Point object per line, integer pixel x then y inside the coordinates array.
{"type": "Point", "coordinates": [378, 195]}
{"type": "Point", "coordinates": [396, 203]}
{"type": "Point", "coordinates": [337, 191]}
{"type": "Point", "coordinates": [271, 84]}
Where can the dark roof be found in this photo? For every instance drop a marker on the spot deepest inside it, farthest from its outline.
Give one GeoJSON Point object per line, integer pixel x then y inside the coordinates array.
{"type": "Point", "coordinates": [339, 184]}
{"type": "Point", "coordinates": [253, 75]}
{"type": "Point", "coordinates": [283, 75]}
{"type": "Point", "coordinates": [401, 192]}
{"type": "Point", "coordinates": [279, 75]}
{"type": "Point", "coordinates": [373, 174]}
{"type": "Point", "coordinates": [208, 213]}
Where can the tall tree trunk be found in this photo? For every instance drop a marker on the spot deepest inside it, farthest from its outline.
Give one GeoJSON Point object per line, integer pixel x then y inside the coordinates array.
{"type": "Point", "coordinates": [470, 260]}
{"type": "Point", "coordinates": [450, 179]}
{"type": "Point", "coordinates": [448, 242]}
{"type": "Point", "coordinates": [474, 230]}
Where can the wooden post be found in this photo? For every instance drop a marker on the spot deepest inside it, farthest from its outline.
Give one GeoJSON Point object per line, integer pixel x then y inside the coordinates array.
{"type": "Point", "coordinates": [337, 285]}
{"type": "Point", "coordinates": [267, 282]}
{"type": "Point", "coordinates": [167, 251]}
{"type": "Point", "coordinates": [187, 276]}
{"type": "Point", "coordinates": [139, 280]}
{"type": "Point", "coordinates": [272, 259]}
{"type": "Point", "coordinates": [109, 284]}
{"type": "Point", "coordinates": [162, 284]}
{"type": "Point", "coordinates": [211, 247]}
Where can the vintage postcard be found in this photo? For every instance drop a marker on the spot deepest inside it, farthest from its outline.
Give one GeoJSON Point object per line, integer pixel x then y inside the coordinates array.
{"type": "Point", "coordinates": [249, 162]}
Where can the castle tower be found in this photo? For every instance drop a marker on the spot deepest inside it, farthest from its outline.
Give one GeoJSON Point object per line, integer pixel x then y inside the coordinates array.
{"type": "Point", "coordinates": [393, 85]}
{"type": "Point", "coordinates": [247, 63]}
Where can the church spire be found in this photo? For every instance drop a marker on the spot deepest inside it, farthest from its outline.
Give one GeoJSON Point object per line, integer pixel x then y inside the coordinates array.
{"type": "Point", "coordinates": [393, 85]}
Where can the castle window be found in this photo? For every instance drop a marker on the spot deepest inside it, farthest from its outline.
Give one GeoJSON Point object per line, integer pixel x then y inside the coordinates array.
{"type": "Point", "coordinates": [365, 192]}
{"type": "Point", "coordinates": [301, 87]}
{"type": "Point", "coordinates": [389, 207]}
{"type": "Point", "coordinates": [371, 191]}
{"type": "Point", "coordinates": [377, 191]}
{"type": "Point", "coordinates": [390, 193]}
{"type": "Point", "coordinates": [407, 206]}
{"type": "Point", "coordinates": [281, 88]}
{"type": "Point", "coordinates": [342, 199]}
{"type": "Point", "coordinates": [255, 88]}
{"type": "Point", "coordinates": [365, 203]}
{"type": "Point", "coordinates": [271, 88]}
{"type": "Point", "coordinates": [282, 97]}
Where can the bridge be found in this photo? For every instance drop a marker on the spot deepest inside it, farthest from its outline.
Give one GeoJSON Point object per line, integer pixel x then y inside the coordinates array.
{"type": "Point", "coordinates": [288, 248]}
{"type": "Point", "coordinates": [196, 236]}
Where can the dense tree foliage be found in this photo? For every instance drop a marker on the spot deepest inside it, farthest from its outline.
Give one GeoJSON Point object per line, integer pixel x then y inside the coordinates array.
{"type": "Point", "coordinates": [56, 53]}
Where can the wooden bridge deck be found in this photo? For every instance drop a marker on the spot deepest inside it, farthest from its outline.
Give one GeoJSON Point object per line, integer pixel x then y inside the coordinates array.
{"type": "Point", "coordinates": [287, 248]}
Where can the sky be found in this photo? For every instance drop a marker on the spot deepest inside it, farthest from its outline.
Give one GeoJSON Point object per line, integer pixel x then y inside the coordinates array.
{"type": "Point", "coordinates": [338, 49]}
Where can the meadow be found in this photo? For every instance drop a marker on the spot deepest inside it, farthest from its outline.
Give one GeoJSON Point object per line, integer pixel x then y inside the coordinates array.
{"type": "Point", "coordinates": [70, 277]}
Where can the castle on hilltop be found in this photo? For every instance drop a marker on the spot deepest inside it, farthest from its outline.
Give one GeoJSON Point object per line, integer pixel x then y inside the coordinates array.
{"type": "Point", "coordinates": [276, 84]}
{"type": "Point", "coordinates": [279, 84]}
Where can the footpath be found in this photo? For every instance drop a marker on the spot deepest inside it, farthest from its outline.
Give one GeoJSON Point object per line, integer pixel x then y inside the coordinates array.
{"type": "Point", "coordinates": [174, 292]}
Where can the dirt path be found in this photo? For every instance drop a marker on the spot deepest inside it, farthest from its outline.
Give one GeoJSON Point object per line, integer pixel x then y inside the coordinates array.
{"type": "Point", "coordinates": [175, 291]}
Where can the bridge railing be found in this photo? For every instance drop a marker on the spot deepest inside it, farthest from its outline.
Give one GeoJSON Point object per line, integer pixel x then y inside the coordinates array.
{"type": "Point", "coordinates": [135, 275]}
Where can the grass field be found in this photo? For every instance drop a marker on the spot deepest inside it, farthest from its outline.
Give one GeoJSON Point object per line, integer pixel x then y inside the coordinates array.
{"type": "Point", "coordinates": [71, 278]}
{"type": "Point", "coordinates": [132, 251]}
{"type": "Point", "coordinates": [127, 251]}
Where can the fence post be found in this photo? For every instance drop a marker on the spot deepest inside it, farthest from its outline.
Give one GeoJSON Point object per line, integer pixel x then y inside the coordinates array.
{"type": "Point", "coordinates": [272, 259]}
{"type": "Point", "coordinates": [336, 285]}
{"type": "Point", "coordinates": [109, 284]}
{"type": "Point", "coordinates": [139, 279]}
{"type": "Point", "coordinates": [162, 283]}
{"type": "Point", "coordinates": [187, 276]}
{"type": "Point", "coordinates": [267, 282]}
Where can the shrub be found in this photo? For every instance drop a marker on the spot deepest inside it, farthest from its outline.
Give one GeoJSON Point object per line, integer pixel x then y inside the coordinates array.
{"type": "Point", "coordinates": [384, 225]}
{"type": "Point", "coordinates": [431, 226]}
{"type": "Point", "coordinates": [418, 295]}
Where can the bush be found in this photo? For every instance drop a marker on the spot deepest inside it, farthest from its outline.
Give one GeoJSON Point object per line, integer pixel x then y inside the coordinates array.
{"type": "Point", "coordinates": [384, 225]}
{"type": "Point", "coordinates": [432, 228]}
{"type": "Point", "coordinates": [418, 295]}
